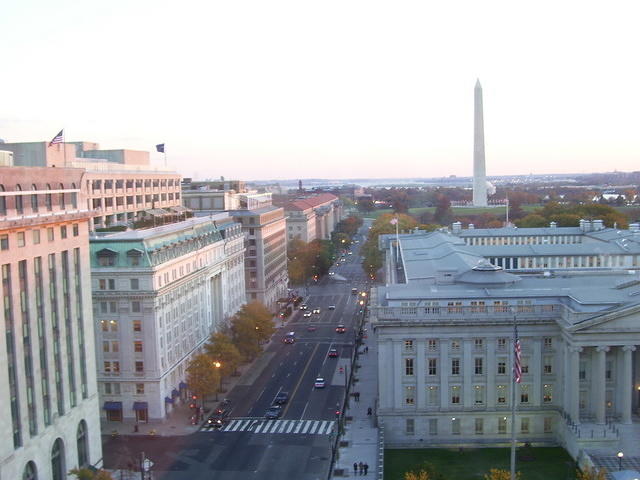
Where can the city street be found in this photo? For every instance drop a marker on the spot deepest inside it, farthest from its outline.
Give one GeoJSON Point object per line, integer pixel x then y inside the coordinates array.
{"type": "Point", "coordinates": [298, 444]}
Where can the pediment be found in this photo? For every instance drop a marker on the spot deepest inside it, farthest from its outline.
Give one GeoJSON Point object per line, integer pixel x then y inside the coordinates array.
{"type": "Point", "coordinates": [623, 320]}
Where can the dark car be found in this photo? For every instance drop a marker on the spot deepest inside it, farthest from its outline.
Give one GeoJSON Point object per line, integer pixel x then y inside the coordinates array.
{"type": "Point", "coordinates": [341, 329]}
{"type": "Point", "coordinates": [216, 420]}
{"type": "Point", "coordinates": [281, 398]}
{"type": "Point", "coordinates": [333, 352]}
{"type": "Point", "coordinates": [273, 412]}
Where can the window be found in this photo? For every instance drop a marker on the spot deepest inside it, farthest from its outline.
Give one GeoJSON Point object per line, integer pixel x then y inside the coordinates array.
{"type": "Point", "coordinates": [432, 345]}
{"type": "Point", "coordinates": [409, 395]}
{"type": "Point", "coordinates": [478, 394]}
{"type": "Point", "coordinates": [582, 373]}
{"type": "Point", "coordinates": [139, 388]}
{"type": "Point", "coordinates": [455, 345]}
{"type": "Point", "coordinates": [408, 366]}
{"type": "Point", "coordinates": [433, 426]}
{"type": "Point", "coordinates": [433, 396]}
{"type": "Point", "coordinates": [137, 325]}
{"type": "Point", "coordinates": [76, 230]}
{"type": "Point", "coordinates": [547, 366]}
{"type": "Point", "coordinates": [547, 393]}
{"type": "Point", "coordinates": [548, 343]}
{"type": "Point", "coordinates": [135, 307]}
{"type": "Point", "coordinates": [525, 365]}
{"type": "Point", "coordinates": [433, 366]}
{"type": "Point", "coordinates": [139, 367]}
{"type": "Point", "coordinates": [102, 284]}
{"type": "Point", "coordinates": [548, 424]}
{"type": "Point", "coordinates": [135, 284]}
{"type": "Point", "coordinates": [410, 426]}
{"type": "Point", "coordinates": [36, 237]}
{"type": "Point", "coordinates": [501, 395]}
{"type": "Point", "coordinates": [137, 346]}
{"type": "Point", "coordinates": [502, 344]}
{"type": "Point", "coordinates": [50, 234]}
{"type": "Point", "coordinates": [63, 231]}
{"type": "Point", "coordinates": [105, 346]}
{"type": "Point", "coordinates": [408, 345]}
{"type": "Point", "coordinates": [478, 343]}
{"type": "Point", "coordinates": [502, 425]}
{"type": "Point", "coordinates": [20, 239]}
{"type": "Point", "coordinates": [455, 366]}
{"type": "Point", "coordinates": [502, 366]}
{"type": "Point", "coordinates": [455, 394]}
{"type": "Point", "coordinates": [455, 426]}
{"type": "Point", "coordinates": [607, 371]}
{"type": "Point", "coordinates": [524, 393]}
{"type": "Point", "coordinates": [524, 425]}
{"type": "Point", "coordinates": [4, 242]}
{"type": "Point", "coordinates": [478, 366]}
{"type": "Point", "coordinates": [107, 388]}
{"type": "Point", "coordinates": [479, 423]}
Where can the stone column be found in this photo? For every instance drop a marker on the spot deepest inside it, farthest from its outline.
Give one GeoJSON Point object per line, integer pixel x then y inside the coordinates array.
{"type": "Point", "coordinates": [491, 372]}
{"type": "Point", "coordinates": [467, 372]}
{"type": "Point", "coordinates": [421, 373]}
{"type": "Point", "coordinates": [535, 368]}
{"type": "Point", "coordinates": [573, 383]}
{"type": "Point", "coordinates": [626, 384]}
{"type": "Point", "coordinates": [598, 387]}
{"type": "Point", "coordinates": [445, 370]}
{"type": "Point", "coordinates": [398, 373]}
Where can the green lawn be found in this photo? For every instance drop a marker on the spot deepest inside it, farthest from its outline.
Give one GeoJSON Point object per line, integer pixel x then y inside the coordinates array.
{"type": "Point", "coordinates": [459, 211]}
{"type": "Point", "coordinates": [472, 464]}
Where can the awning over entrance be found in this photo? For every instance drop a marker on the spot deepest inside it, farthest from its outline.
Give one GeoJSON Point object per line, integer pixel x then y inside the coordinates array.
{"type": "Point", "coordinates": [140, 406]}
{"type": "Point", "coordinates": [175, 393]}
{"type": "Point", "coordinates": [112, 406]}
{"type": "Point", "coordinates": [182, 385]}
{"type": "Point", "coordinates": [168, 400]}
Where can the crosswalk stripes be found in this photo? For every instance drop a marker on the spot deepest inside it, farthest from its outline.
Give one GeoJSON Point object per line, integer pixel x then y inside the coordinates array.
{"type": "Point", "coordinates": [261, 425]}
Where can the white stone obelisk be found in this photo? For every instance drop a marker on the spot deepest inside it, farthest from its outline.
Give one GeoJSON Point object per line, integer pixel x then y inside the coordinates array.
{"type": "Point", "coordinates": [479, 172]}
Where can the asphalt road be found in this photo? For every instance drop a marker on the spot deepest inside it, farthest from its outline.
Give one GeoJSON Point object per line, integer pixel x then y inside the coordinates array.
{"type": "Point", "coordinates": [297, 446]}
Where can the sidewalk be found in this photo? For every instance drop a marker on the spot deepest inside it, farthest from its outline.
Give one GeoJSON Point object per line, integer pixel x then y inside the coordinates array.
{"type": "Point", "coordinates": [361, 436]}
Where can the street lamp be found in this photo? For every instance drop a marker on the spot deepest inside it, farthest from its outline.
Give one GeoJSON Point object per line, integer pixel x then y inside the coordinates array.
{"type": "Point", "coordinates": [218, 365]}
{"type": "Point", "coordinates": [620, 455]}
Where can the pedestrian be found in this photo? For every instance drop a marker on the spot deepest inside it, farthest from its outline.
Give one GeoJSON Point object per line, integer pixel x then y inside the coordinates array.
{"type": "Point", "coordinates": [355, 468]}
{"type": "Point", "coordinates": [361, 468]}
{"type": "Point", "coordinates": [358, 396]}
{"type": "Point", "coordinates": [369, 411]}
{"type": "Point", "coordinates": [366, 468]}
{"type": "Point", "coordinates": [366, 349]}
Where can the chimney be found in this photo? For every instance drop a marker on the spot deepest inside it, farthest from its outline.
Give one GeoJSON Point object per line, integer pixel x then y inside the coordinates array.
{"type": "Point", "coordinates": [553, 225]}
{"type": "Point", "coordinates": [472, 226]}
{"type": "Point", "coordinates": [598, 225]}
{"type": "Point", "coordinates": [634, 227]}
{"type": "Point", "coordinates": [456, 227]}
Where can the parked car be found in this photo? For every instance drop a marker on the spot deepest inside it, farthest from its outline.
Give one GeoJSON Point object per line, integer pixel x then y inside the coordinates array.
{"type": "Point", "coordinates": [341, 329]}
{"type": "Point", "coordinates": [273, 412]}
{"type": "Point", "coordinates": [319, 383]}
{"type": "Point", "coordinates": [281, 397]}
{"type": "Point", "coordinates": [333, 353]}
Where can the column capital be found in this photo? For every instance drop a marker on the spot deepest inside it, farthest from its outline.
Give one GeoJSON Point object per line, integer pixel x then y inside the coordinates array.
{"type": "Point", "coordinates": [629, 348]}
{"type": "Point", "coordinates": [602, 349]}
{"type": "Point", "coordinates": [574, 349]}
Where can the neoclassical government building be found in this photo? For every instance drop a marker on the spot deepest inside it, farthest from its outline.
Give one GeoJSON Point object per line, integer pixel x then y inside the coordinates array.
{"type": "Point", "coordinates": [445, 322]}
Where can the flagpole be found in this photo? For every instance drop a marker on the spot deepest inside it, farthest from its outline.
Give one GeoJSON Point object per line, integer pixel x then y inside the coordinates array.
{"type": "Point", "coordinates": [397, 244]}
{"type": "Point", "coordinates": [513, 401]}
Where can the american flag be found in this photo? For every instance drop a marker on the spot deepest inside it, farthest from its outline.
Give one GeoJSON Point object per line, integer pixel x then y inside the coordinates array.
{"type": "Point", "coordinates": [394, 221]}
{"type": "Point", "coordinates": [58, 138]}
{"type": "Point", "coordinates": [517, 361]}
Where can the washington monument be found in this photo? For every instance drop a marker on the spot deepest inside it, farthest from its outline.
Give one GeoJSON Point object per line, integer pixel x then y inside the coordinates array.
{"type": "Point", "coordinates": [479, 171]}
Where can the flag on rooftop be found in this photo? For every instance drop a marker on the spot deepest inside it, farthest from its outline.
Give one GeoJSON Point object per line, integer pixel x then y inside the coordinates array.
{"type": "Point", "coordinates": [58, 138]}
{"type": "Point", "coordinates": [160, 147]}
{"type": "Point", "coordinates": [517, 360]}
{"type": "Point", "coordinates": [394, 221]}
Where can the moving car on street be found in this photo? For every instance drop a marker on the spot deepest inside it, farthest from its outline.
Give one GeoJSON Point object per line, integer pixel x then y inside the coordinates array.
{"type": "Point", "coordinates": [281, 398]}
{"type": "Point", "coordinates": [319, 383]}
{"type": "Point", "coordinates": [341, 329]}
{"type": "Point", "coordinates": [306, 314]}
{"type": "Point", "coordinates": [332, 307]}
{"type": "Point", "coordinates": [333, 352]}
{"type": "Point", "coordinates": [273, 412]}
{"type": "Point", "coordinates": [316, 310]}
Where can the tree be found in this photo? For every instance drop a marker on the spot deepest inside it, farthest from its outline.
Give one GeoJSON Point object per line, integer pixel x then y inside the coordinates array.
{"type": "Point", "coordinates": [260, 317]}
{"type": "Point", "coordinates": [532, 220]}
{"type": "Point", "coordinates": [421, 475]}
{"type": "Point", "coordinates": [365, 204]}
{"type": "Point", "coordinates": [443, 214]}
{"type": "Point", "coordinates": [426, 472]}
{"type": "Point", "coordinates": [90, 474]}
{"type": "Point", "coordinates": [591, 473]}
{"type": "Point", "coordinates": [203, 377]}
{"type": "Point", "coordinates": [400, 201]}
{"type": "Point", "coordinates": [221, 349]}
{"type": "Point", "coordinates": [499, 474]}
{"type": "Point", "coordinates": [372, 260]}
{"type": "Point", "coordinates": [245, 337]}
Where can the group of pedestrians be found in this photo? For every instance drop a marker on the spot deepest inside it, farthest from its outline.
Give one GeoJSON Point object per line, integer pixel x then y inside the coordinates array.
{"type": "Point", "coordinates": [363, 468]}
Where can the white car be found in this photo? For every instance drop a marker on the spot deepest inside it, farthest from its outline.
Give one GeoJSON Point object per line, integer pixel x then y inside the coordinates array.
{"type": "Point", "coordinates": [316, 310]}
{"type": "Point", "coordinates": [332, 307]}
{"type": "Point", "coordinates": [319, 383]}
{"type": "Point", "coordinates": [306, 314]}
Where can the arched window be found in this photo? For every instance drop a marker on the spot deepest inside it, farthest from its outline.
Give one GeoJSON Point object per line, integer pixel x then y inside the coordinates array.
{"type": "Point", "coordinates": [19, 207]}
{"type": "Point", "coordinates": [61, 202]}
{"type": "Point", "coordinates": [3, 202]}
{"type": "Point", "coordinates": [74, 197]}
{"type": "Point", "coordinates": [47, 198]}
{"type": "Point", "coordinates": [83, 446]}
{"type": "Point", "coordinates": [58, 467]}
{"type": "Point", "coordinates": [30, 472]}
{"type": "Point", "coordinates": [34, 198]}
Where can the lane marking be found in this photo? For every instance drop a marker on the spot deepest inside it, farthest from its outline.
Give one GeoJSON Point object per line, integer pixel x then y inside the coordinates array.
{"type": "Point", "coordinates": [293, 394]}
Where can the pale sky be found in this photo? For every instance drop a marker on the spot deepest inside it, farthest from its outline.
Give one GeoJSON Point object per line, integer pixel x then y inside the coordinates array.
{"type": "Point", "coordinates": [332, 89]}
